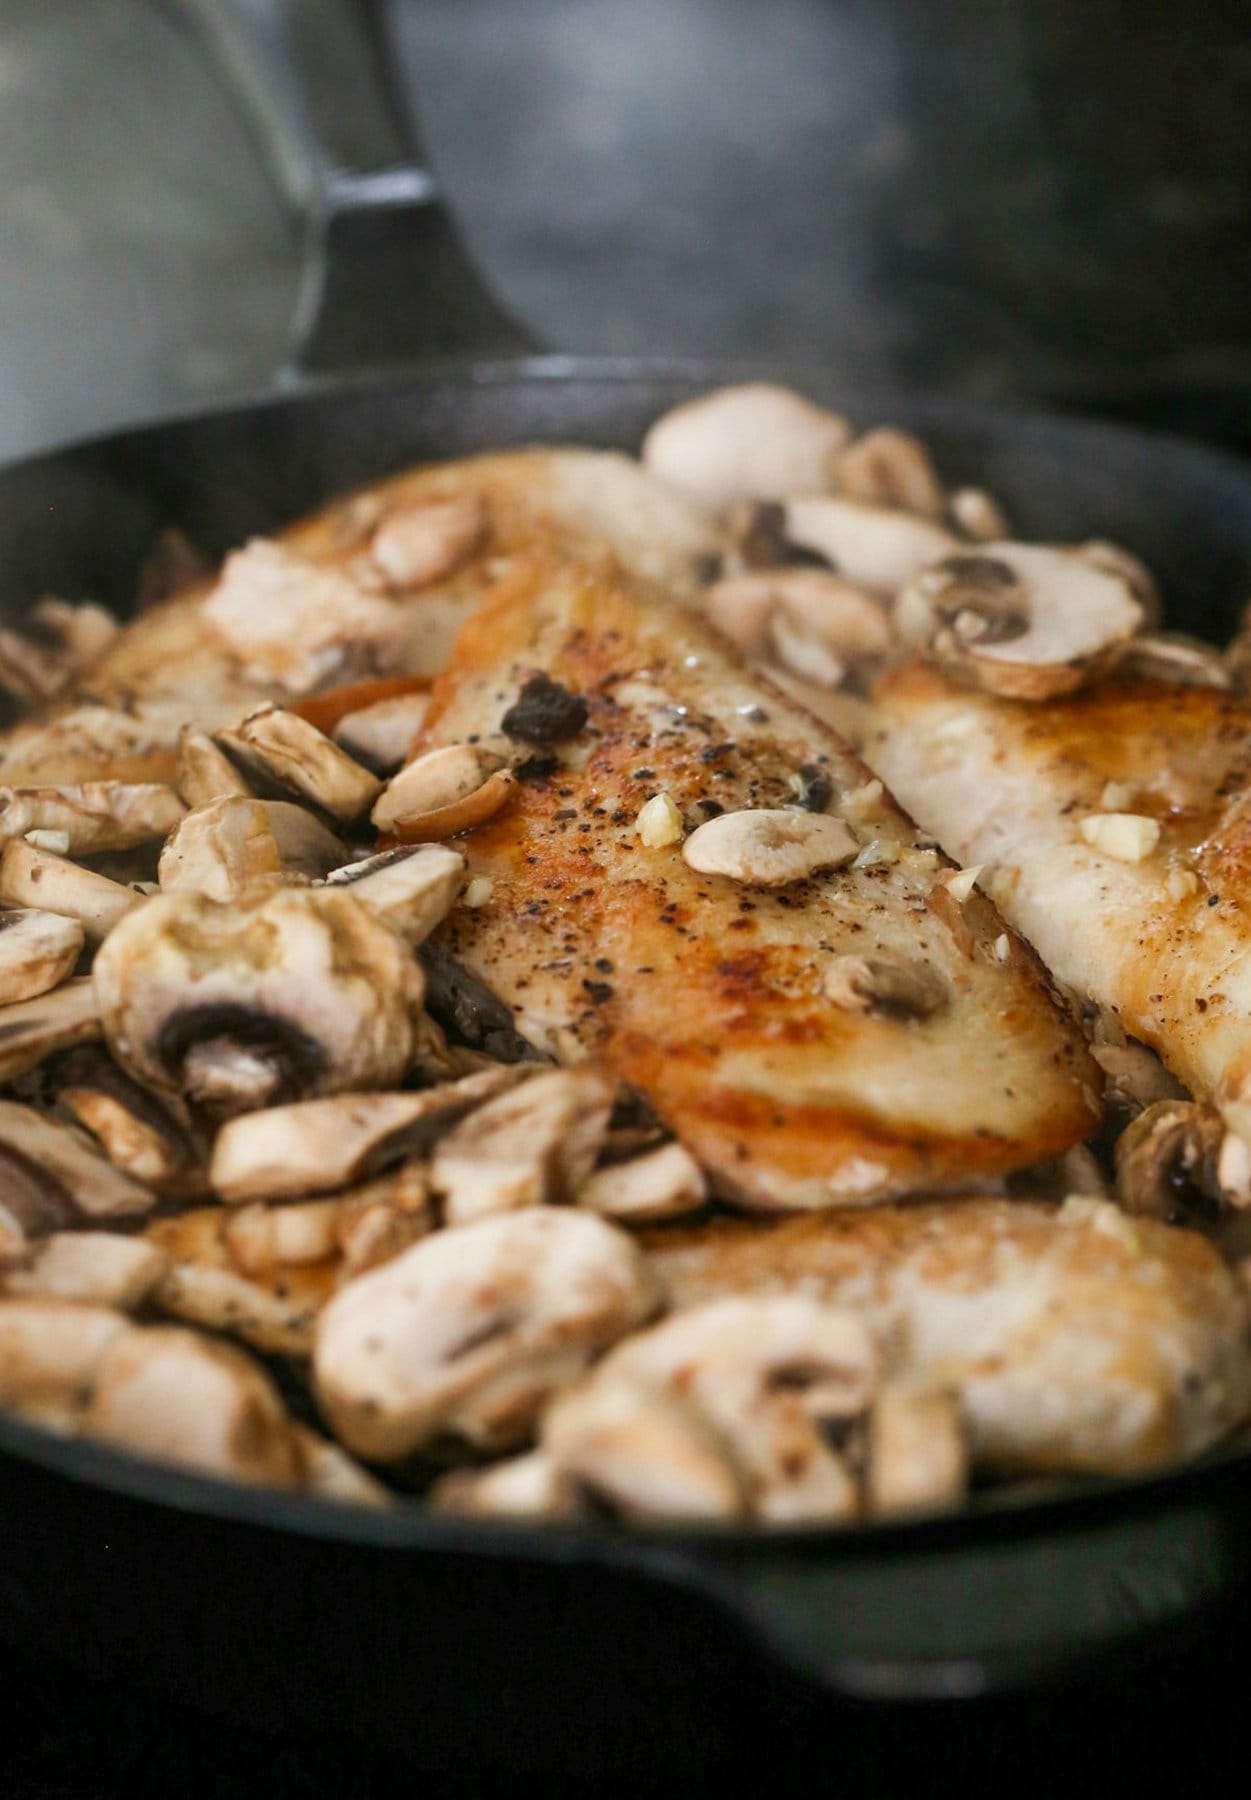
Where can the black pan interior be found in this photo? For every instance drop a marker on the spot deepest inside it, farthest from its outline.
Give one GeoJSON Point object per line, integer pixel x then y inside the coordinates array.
{"type": "Point", "coordinates": [79, 522]}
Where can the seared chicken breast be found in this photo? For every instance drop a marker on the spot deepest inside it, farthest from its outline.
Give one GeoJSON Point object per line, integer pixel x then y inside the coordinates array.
{"type": "Point", "coordinates": [816, 1036]}
{"type": "Point", "coordinates": [376, 583]}
{"type": "Point", "coordinates": [1078, 1339]}
{"type": "Point", "coordinates": [1162, 941]}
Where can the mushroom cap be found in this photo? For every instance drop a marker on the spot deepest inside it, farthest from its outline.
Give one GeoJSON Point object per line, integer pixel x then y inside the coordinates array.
{"type": "Point", "coordinates": [220, 849]}
{"type": "Point", "coordinates": [37, 950]}
{"type": "Point", "coordinates": [304, 983]}
{"type": "Point", "coordinates": [1023, 620]}
{"type": "Point", "coordinates": [752, 441]}
{"type": "Point", "coordinates": [470, 1332]}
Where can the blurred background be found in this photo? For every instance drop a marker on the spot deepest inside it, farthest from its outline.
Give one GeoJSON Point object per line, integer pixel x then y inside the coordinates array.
{"type": "Point", "coordinates": [1015, 199]}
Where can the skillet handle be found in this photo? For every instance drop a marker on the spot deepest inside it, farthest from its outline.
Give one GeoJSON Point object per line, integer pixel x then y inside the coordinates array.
{"type": "Point", "coordinates": [387, 278]}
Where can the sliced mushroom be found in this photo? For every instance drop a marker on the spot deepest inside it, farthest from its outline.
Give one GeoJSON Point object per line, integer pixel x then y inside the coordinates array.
{"type": "Point", "coordinates": [467, 1009]}
{"type": "Point", "coordinates": [205, 773]}
{"type": "Point", "coordinates": [471, 1331]}
{"type": "Point", "coordinates": [413, 888]}
{"type": "Point", "coordinates": [1136, 1076]}
{"type": "Point", "coordinates": [31, 877]}
{"type": "Point", "coordinates": [50, 1353]}
{"type": "Point", "coordinates": [262, 1238]}
{"type": "Point", "coordinates": [666, 1183]}
{"type": "Point", "coordinates": [887, 467]}
{"type": "Point", "coordinates": [305, 845]}
{"type": "Point", "coordinates": [37, 950]}
{"type": "Point", "coordinates": [59, 643]}
{"type": "Point", "coordinates": [807, 604]}
{"type": "Point", "coordinates": [419, 544]}
{"type": "Point", "coordinates": [444, 792]}
{"type": "Point", "coordinates": [381, 735]}
{"type": "Point", "coordinates": [523, 1487]}
{"type": "Point", "coordinates": [770, 1382]}
{"type": "Point", "coordinates": [280, 749]}
{"type": "Point", "coordinates": [94, 815]}
{"type": "Point", "coordinates": [221, 850]}
{"type": "Point", "coordinates": [297, 624]}
{"type": "Point", "coordinates": [979, 515]}
{"type": "Point", "coordinates": [330, 1473]}
{"type": "Point", "coordinates": [641, 1451]}
{"type": "Point", "coordinates": [756, 441]}
{"type": "Point", "coordinates": [884, 986]}
{"type": "Point", "coordinates": [32, 1030]}
{"type": "Point", "coordinates": [1175, 657]}
{"type": "Point", "coordinates": [534, 1145]}
{"type": "Point", "coordinates": [1116, 560]}
{"type": "Point", "coordinates": [285, 994]}
{"type": "Point", "coordinates": [138, 1133]}
{"type": "Point", "coordinates": [1020, 620]}
{"type": "Point", "coordinates": [918, 1459]}
{"type": "Point", "coordinates": [53, 1175]}
{"type": "Point", "coordinates": [95, 1266]}
{"type": "Point", "coordinates": [276, 1318]}
{"type": "Point", "coordinates": [319, 1146]}
{"type": "Point", "coordinates": [874, 547]}
{"type": "Point", "coordinates": [769, 846]}
{"type": "Point", "coordinates": [1167, 1162]}
{"type": "Point", "coordinates": [177, 1397]}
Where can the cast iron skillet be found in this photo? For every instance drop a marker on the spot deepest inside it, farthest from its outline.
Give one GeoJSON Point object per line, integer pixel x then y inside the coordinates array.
{"type": "Point", "coordinates": [424, 1631]}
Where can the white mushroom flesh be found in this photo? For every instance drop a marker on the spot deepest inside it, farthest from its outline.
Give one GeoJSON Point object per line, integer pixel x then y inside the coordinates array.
{"type": "Point", "coordinates": [416, 545]}
{"type": "Point", "coordinates": [303, 983]}
{"type": "Point", "coordinates": [534, 1145]}
{"type": "Point", "coordinates": [94, 815]}
{"type": "Point", "coordinates": [471, 1331]}
{"type": "Point", "coordinates": [32, 1030]}
{"type": "Point", "coordinates": [756, 441]}
{"type": "Point", "coordinates": [37, 950]}
{"type": "Point", "coordinates": [874, 547]}
{"type": "Point", "coordinates": [221, 850]}
{"type": "Point", "coordinates": [382, 735]}
{"type": "Point", "coordinates": [277, 746]}
{"type": "Point", "coordinates": [887, 467]}
{"type": "Point", "coordinates": [413, 888]}
{"type": "Point", "coordinates": [30, 877]}
{"type": "Point", "coordinates": [664, 1184]}
{"type": "Point", "coordinates": [769, 846]}
{"type": "Point", "coordinates": [204, 772]}
{"type": "Point", "coordinates": [54, 1176]}
{"type": "Point", "coordinates": [99, 1267]}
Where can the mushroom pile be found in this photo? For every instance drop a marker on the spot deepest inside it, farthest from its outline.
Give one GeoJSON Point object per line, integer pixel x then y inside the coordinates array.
{"type": "Point", "coordinates": [284, 1196]}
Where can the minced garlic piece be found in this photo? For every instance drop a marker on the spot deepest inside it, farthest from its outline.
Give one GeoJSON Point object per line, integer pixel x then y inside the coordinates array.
{"type": "Point", "coordinates": [879, 853]}
{"type": "Point", "coordinates": [659, 822]}
{"type": "Point", "coordinates": [1129, 837]}
{"type": "Point", "coordinates": [56, 842]}
{"type": "Point", "coordinates": [479, 891]}
{"type": "Point", "coordinates": [961, 884]}
{"type": "Point", "coordinates": [1003, 947]}
{"type": "Point", "coordinates": [862, 802]}
{"type": "Point", "coordinates": [1181, 884]}
{"type": "Point", "coordinates": [1117, 796]}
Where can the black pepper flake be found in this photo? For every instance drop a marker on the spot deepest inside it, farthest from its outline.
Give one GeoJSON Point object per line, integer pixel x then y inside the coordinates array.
{"type": "Point", "coordinates": [603, 964]}
{"type": "Point", "coordinates": [566, 812]}
{"type": "Point", "coordinates": [544, 712]}
{"type": "Point", "coordinates": [598, 991]}
{"type": "Point", "coordinates": [1214, 899]}
{"type": "Point", "coordinates": [643, 774]}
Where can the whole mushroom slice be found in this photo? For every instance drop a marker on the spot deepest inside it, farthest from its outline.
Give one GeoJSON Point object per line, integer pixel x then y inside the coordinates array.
{"type": "Point", "coordinates": [534, 1145]}
{"type": "Point", "coordinates": [812, 603]}
{"type": "Point", "coordinates": [272, 1306]}
{"type": "Point", "coordinates": [769, 846]}
{"type": "Point", "coordinates": [413, 887]}
{"type": "Point", "coordinates": [282, 751]}
{"type": "Point", "coordinates": [320, 1146]}
{"type": "Point", "coordinates": [443, 792]}
{"type": "Point", "coordinates": [37, 950]}
{"type": "Point", "coordinates": [53, 1175]}
{"type": "Point", "coordinates": [50, 1353]}
{"type": "Point", "coordinates": [99, 1267]}
{"type": "Point", "coordinates": [753, 441]}
{"type": "Point", "coordinates": [918, 1458]}
{"type": "Point", "coordinates": [765, 1379]}
{"type": "Point", "coordinates": [285, 994]}
{"type": "Point", "coordinates": [204, 772]}
{"type": "Point", "coordinates": [471, 1332]}
{"type": "Point", "coordinates": [666, 1183]}
{"type": "Point", "coordinates": [1021, 620]}
{"type": "Point", "coordinates": [177, 1397]}
{"type": "Point", "coordinates": [92, 815]}
{"type": "Point", "coordinates": [33, 1030]}
{"type": "Point", "coordinates": [874, 547]}
{"type": "Point", "coordinates": [330, 1473]}
{"type": "Point", "coordinates": [141, 1135]}
{"type": "Point", "coordinates": [1168, 1163]}
{"type": "Point", "coordinates": [30, 877]}
{"type": "Point", "coordinates": [222, 850]}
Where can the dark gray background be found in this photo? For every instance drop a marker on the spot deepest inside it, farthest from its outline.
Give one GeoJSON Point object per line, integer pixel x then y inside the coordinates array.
{"type": "Point", "coordinates": [988, 195]}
